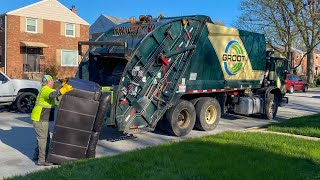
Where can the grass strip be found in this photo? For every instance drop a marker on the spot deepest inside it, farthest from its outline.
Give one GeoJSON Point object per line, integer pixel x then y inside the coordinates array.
{"type": "Point", "coordinates": [307, 126]}
{"type": "Point", "coordinates": [230, 155]}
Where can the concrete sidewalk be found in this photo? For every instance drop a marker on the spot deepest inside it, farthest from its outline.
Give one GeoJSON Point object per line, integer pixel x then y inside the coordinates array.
{"type": "Point", "coordinates": [17, 137]}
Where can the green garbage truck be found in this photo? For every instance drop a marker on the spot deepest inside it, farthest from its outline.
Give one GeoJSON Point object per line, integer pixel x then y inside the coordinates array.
{"type": "Point", "coordinates": [180, 73]}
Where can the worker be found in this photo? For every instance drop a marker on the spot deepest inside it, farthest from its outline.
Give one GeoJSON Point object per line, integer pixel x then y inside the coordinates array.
{"type": "Point", "coordinates": [42, 113]}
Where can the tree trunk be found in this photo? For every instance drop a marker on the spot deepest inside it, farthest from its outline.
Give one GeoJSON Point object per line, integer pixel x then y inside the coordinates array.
{"type": "Point", "coordinates": [310, 67]}
{"type": "Point", "coordinates": [289, 57]}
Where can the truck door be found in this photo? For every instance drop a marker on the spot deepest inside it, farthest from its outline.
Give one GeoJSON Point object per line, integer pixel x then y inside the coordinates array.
{"type": "Point", "coordinates": [6, 89]}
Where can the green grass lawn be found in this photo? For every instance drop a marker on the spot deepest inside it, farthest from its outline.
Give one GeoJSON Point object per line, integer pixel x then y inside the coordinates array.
{"type": "Point", "coordinates": [231, 155]}
{"type": "Point", "coordinates": [307, 126]}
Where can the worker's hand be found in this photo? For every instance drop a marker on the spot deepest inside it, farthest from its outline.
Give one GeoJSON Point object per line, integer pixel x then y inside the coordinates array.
{"type": "Point", "coordinates": [65, 88]}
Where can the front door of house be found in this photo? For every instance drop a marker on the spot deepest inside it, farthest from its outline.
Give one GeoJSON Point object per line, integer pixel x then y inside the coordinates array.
{"type": "Point", "coordinates": [32, 60]}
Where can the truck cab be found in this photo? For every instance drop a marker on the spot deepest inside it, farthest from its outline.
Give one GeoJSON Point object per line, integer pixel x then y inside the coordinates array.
{"type": "Point", "coordinates": [18, 93]}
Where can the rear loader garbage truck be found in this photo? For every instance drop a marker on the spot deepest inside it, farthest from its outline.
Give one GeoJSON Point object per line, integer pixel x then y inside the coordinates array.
{"type": "Point", "coordinates": [182, 72]}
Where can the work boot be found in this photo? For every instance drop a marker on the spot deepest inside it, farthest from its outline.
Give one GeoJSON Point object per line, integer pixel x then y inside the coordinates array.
{"type": "Point", "coordinates": [44, 164]}
{"type": "Point", "coordinates": [35, 157]}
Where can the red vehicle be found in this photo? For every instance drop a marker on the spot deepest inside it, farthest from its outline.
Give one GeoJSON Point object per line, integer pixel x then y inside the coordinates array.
{"type": "Point", "coordinates": [295, 83]}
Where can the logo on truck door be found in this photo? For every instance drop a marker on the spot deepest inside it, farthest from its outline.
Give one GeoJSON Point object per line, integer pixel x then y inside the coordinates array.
{"type": "Point", "coordinates": [233, 58]}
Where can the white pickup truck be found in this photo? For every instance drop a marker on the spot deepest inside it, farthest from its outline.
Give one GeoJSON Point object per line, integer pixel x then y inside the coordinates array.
{"type": "Point", "coordinates": [20, 94]}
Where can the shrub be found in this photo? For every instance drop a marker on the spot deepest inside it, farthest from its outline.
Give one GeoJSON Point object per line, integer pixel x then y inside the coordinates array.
{"type": "Point", "coordinates": [52, 71]}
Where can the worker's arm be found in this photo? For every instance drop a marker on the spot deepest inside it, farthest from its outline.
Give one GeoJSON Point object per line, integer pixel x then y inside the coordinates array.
{"type": "Point", "coordinates": [55, 94]}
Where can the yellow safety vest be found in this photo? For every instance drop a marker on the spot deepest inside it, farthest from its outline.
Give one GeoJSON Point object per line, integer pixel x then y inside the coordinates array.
{"type": "Point", "coordinates": [43, 101]}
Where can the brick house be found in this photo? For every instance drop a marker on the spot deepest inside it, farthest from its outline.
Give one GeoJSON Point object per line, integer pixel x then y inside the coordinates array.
{"type": "Point", "coordinates": [302, 69]}
{"type": "Point", "coordinates": [41, 35]}
{"type": "Point", "coordinates": [296, 55]}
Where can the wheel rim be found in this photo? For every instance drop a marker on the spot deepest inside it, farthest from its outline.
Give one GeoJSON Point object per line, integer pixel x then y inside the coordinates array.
{"type": "Point", "coordinates": [211, 114]}
{"type": "Point", "coordinates": [27, 103]}
{"type": "Point", "coordinates": [271, 107]}
{"type": "Point", "coordinates": [184, 118]}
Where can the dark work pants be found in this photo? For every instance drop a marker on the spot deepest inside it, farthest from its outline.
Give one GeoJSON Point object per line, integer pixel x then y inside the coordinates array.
{"type": "Point", "coordinates": [43, 139]}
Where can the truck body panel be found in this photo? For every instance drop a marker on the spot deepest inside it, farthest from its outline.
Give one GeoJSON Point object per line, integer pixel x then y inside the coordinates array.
{"type": "Point", "coordinates": [148, 66]}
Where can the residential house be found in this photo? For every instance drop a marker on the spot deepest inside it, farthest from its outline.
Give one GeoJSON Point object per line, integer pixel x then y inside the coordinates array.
{"type": "Point", "coordinates": [41, 35]}
{"type": "Point", "coordinates": [103, 24]}
{"type": "Point", "coordinates": [298, 55]}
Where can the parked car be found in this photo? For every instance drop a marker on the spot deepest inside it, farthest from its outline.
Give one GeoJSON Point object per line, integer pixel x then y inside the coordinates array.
{"type": "Point", "coordinates": [20, 94]}
{"type": "Point", "coordinates": [295, 83]}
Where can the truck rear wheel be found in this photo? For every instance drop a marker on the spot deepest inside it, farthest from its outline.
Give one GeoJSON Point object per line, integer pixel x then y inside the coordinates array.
{"type": "Point", "coordinates": [208, 114]}
{"type": "Point", "coordinates": [271, 106]}
{"type": "Point", "coordinates": [181, 118]}
{"type": "Point", "coordinates": [25, 102]}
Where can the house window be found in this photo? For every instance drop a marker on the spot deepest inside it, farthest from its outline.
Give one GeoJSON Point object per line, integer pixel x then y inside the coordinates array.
{"type": "Point", "coordinates": [69, 58]}
{"type": "Point", "coordinates": [32, 25]}
{"type": "Point", "coordinates": [70, 30]}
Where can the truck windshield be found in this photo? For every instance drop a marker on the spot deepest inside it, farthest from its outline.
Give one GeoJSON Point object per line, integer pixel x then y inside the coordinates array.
{"type": "Point", "coordinates": [281, 68]}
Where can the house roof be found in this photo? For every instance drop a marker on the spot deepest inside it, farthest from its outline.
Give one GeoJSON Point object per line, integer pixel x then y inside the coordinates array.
{"type": "Point", "coordinates": [104, 23]}
{"type": "Point", "coordinates": [50, 10]}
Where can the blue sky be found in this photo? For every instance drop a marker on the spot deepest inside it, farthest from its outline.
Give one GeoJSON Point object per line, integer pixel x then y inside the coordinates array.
{"type": "Point", "coordinates": [226, 11]}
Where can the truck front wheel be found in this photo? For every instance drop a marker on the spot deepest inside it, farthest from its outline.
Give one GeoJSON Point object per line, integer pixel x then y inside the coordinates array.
{"type": "Point", "coordinates": [25, 102]}
{"type": "Point", "coordinates": [271, 106]}
{"type": "Point", "coordinates": [181, 118]}
{"type": "Point", "coordinates": [208, 114]}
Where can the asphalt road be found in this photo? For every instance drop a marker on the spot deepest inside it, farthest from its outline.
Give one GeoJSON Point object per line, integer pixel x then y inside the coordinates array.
{"type": "Point", "coordinates": [17, 137]}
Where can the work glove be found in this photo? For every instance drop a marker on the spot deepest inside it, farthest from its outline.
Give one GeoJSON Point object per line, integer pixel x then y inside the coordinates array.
{"type": "Point", "coordinates": [64, 81]}
{"type": "Point", "coordinates": [65, 88]}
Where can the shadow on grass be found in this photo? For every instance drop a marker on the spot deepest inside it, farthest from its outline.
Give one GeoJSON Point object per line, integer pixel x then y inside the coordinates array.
{"type": "Point", "coordinates": [226, 156]}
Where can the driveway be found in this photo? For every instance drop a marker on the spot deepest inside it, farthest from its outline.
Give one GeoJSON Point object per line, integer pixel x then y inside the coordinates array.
{"type": "Point", "coordinates": [17, 137]}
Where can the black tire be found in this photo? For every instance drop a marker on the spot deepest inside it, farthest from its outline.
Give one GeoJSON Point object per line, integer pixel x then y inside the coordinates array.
{"type": "Point", "coordinates": [195, 101]}
{"type": "Point", "coordinates": [181, 118]}
{"type": "Point", "coordinates": [305, 88]}
{"type": "Point", "coordinates": [25, 102]}
{"type": "Point", "coordinates": [272, 104]}
{"type": "Point", "coordinates": [291, 90]}
{"type": "Point", "coordinates": [208, 114]}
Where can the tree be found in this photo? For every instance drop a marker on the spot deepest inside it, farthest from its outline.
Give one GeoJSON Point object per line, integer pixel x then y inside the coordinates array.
{"type": "Point", "coordinates": [305, 14]}
{"type": "Point", "coordinates": [266, 17]}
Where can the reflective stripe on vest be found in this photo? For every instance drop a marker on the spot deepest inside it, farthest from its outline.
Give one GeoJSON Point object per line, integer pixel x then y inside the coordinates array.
{"type": "Point", "coordinates": [43, 101]}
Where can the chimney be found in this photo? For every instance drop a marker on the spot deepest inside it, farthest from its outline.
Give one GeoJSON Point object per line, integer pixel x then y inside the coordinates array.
{"type": "Point", "coordinates": [73, 9]}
